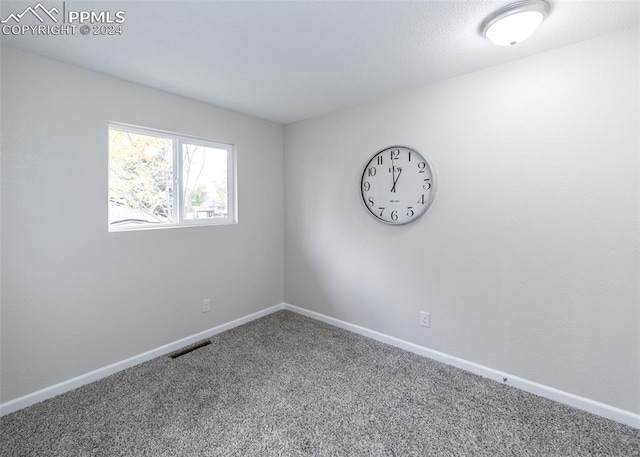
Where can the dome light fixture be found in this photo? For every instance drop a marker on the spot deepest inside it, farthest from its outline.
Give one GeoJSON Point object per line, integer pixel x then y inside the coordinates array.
{"type": "Point", "coordinates": [515, 22]}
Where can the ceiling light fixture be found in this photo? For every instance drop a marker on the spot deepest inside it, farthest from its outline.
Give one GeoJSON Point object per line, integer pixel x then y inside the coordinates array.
{"type": "Point", "coordinates": [515, 22]}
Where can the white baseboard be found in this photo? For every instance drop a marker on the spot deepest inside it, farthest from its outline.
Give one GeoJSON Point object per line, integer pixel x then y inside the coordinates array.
{"type": "Point", "coordinates": [74, 383]}
{"type": "Point", "coordinates": [585, 404]}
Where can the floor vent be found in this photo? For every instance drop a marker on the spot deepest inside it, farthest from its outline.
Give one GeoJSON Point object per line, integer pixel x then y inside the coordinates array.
{"type": "Point", "coordinates": [188, 349]}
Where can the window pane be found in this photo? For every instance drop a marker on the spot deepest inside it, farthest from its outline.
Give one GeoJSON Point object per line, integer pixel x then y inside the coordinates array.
{"type": "Point", "coordinates": [204, 180]}
{"type": "Point", "coordinates": [140, 179]}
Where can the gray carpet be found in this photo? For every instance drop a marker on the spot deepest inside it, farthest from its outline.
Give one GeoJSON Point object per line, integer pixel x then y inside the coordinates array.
{"type": "Point", "coordinates": [286, 385]}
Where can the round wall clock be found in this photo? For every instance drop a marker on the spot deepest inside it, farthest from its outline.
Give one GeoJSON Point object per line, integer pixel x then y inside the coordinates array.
{"type": "Point", "coordinates": [398, 185]}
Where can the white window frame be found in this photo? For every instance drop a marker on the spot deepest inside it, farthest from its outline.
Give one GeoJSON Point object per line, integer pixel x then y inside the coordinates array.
{"type": "Point", "coordinates": [178, 198]}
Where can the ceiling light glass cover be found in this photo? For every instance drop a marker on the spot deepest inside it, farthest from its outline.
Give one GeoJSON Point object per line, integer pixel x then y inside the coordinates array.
{"type": "Point", "coordinates": [515, 22]}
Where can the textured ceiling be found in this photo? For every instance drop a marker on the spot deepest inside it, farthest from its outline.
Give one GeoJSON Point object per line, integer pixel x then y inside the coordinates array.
{"type": "Point", "coordinates": [287, 61]}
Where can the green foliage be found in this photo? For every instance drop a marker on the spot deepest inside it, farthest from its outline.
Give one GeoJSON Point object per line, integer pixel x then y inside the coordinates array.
{"type": "Point", "coordinates": [196, 197]}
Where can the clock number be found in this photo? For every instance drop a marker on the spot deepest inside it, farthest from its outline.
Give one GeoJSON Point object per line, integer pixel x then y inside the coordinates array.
{"type": "Point", "coordinates": [421, 166]}
{"type": "Point", "coordinates": [381, 208]}
{"type": "Point", "coordinates": [366, 186]}
{"type": "Point", "coordinates": [410, 212]}
{"type": "Point", "coordinates": [427, 184]}
{"type": "Point", "coordinates": [379, 160]}
{"type": "Point", "coordinates": [421, 199]}
{"type": "Point", "coordinates": [371, 171]}
{"type": "Point", "coordinates": [395, 154]}
{"type": "Point", "coordinates": [394, 216]}
{"type": "Point", "coordinates": [370, 200]}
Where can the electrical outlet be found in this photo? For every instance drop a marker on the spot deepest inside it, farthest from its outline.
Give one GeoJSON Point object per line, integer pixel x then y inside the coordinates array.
{"type": "Point", "coordinates": [425, 319]}
{"type": "Point", "coordinates": [206, 305]}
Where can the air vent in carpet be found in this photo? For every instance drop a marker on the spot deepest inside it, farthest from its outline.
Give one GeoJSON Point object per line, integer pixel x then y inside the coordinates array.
{"type": "Point", "coordinates": [187, 349]}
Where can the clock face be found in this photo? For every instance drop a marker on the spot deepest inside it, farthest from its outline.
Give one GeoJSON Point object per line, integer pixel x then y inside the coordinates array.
{"type": "Point", "coordinates": [398, 185]}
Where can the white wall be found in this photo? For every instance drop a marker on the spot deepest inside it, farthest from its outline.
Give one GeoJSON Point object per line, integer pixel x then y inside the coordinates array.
{"type": "Point", "coordinates": [75, 297]}
{"type": "Point", "coordinates": [528, 258]}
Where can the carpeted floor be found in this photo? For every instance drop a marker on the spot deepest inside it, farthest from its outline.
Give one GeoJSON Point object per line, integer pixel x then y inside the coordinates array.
{"type": "Point", "coordinates": [286, 385]}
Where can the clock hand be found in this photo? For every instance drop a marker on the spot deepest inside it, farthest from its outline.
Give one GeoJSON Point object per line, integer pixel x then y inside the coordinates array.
{"type": "Point", "coordinates": [395, 180]}
{"type": "Point", "coordinates": [393, 173]}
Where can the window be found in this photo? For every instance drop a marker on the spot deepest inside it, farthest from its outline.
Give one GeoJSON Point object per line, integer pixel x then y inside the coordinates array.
{"type": "Point", "coordinates": [158, 179]}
